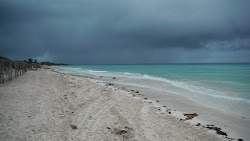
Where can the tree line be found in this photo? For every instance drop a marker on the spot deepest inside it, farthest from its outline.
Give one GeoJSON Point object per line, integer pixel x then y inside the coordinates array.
{"type": "Point", "coordinates": [30, 61]}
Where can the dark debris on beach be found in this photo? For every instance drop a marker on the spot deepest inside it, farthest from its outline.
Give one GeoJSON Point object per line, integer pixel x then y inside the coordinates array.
{"type": "Point", "coordinates": [218, 130]}
{"type": "Point", "coordinates": [73, 127]}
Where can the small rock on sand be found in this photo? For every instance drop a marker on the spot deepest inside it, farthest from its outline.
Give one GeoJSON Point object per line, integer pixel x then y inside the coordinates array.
{"type": "Point", "coordinates": [73, 127]}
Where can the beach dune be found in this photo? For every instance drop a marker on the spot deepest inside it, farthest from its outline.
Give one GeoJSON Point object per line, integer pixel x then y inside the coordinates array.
{"type": "Point", "coordinates": [45, 105]}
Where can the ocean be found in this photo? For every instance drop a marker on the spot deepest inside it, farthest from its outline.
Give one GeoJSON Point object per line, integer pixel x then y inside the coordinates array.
{"type": "Point", "coordinates": [225, 87]}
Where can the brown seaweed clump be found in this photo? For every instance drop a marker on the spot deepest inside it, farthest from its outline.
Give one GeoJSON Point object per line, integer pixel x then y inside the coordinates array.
{"type": "Point", "coordinates": [110, 84]}
{"type": "Point", "coordinates": [190, 116]}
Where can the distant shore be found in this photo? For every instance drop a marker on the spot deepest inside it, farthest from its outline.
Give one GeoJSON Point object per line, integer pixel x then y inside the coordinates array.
{"type": "Point", "coordinates": [46, 105]}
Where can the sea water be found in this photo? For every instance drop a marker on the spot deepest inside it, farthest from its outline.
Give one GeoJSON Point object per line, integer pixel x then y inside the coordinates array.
{"type": "Point", "coordinates": [222, 86]}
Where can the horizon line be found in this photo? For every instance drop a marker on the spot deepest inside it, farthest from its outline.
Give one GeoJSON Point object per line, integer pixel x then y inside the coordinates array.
{"type": "Point", "coordinates": [167, 63]}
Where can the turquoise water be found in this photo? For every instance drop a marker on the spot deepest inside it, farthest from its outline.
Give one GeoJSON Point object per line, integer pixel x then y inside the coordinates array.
{"type": "Point", "coordinates": [229, 82]}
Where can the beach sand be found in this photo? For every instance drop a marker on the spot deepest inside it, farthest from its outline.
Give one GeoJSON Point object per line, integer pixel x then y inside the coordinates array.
{"type": "Point", "coordinates": [46, 105]}
{"type": "Point", "coordinates": [235, 126]}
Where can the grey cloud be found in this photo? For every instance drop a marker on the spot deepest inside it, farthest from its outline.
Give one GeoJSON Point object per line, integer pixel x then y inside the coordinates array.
{"type": "Point", "coordinates": [161, 31]}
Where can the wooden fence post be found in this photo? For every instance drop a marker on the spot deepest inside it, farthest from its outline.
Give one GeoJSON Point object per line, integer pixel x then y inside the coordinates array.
{"type": "Point", "coordinates": [15, 69]}
{"type": "Point", "coordinates": [0, 72]}
{"type": "Point", "coordinates": [9, 71]}
{"type": "Point", "coordinates": [2, 63]}
{"type": "Point", "coordinates": [20, 68]}
{"type": "Point", "coordinates": [24, 68]}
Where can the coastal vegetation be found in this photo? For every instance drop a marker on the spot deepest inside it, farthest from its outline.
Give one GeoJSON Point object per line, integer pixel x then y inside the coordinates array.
{"type": "Point", "coordinates": [2, 57]}
{"type": "Point", "coordinates": [31, 61]}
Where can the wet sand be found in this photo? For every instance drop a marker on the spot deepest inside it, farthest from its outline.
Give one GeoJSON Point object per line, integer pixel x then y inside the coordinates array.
{"type": "Point", "coordinates": [236, 127]}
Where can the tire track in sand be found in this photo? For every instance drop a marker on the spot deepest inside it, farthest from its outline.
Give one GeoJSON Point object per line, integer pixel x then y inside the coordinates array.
{"type": "Point", "coordinates": [94, 114]}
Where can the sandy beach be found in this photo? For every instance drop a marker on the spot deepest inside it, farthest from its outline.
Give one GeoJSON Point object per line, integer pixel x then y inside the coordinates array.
{"type": "Point", "coordinates": [46, 105]}
{"type": "Point", "coordinates": [132, 70]}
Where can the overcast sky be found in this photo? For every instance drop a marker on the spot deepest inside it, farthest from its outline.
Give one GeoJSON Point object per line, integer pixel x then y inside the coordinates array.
{"type": "Point", "coordinates": [126, 31]}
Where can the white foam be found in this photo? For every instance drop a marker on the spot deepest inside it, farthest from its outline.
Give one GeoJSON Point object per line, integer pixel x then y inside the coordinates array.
{"type": "Point", "coordinates": [127, 73]}
{"type": "Point", "coordinates": [197, 89]}
{"type": "Point", "coordinates": [93, 71]}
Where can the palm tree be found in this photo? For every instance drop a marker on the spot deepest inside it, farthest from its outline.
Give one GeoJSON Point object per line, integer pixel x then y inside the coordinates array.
{"type": "Point", "coordinates": [30, 60]}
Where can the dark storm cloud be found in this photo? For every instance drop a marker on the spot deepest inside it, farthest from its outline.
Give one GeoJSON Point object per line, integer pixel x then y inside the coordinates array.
{"type": "Point", "coordinates": [131, 31]}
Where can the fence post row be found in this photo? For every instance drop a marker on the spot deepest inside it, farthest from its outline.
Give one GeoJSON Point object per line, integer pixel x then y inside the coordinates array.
{"type": "Point", "coordinates": [9, 68]}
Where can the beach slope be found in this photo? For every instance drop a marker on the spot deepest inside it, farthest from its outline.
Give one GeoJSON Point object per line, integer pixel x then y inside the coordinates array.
{"type": "Point", "coordinates": [45, 105]}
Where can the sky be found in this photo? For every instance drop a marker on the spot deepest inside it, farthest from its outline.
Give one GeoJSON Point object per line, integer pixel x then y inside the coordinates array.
{"type": "Point", "coordinates": [126, 31]}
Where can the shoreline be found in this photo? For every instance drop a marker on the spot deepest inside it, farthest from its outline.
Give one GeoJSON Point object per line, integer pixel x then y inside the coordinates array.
{"type": "Point", "coordinates": [219, 95]}
{"type": "Point", "coordinates": [46, 105]}
{"type": "Point", "coordinates": [233, 125]}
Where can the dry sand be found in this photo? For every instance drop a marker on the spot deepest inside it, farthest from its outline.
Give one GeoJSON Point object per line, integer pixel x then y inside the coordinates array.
{"type": "Point", "coordinates": [45, 105]}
